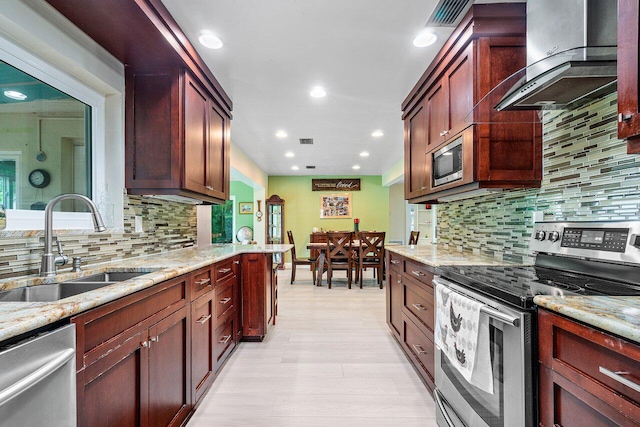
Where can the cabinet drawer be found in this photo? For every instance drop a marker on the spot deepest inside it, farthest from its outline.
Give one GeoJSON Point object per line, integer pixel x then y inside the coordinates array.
{"type": "Point", "coordinates": [224, 269]}
{"type": "Point", "coordinates": [418, 271]}
{"type": "Point", "coordinates": [224, 301]}
{"type": "Point", "coordinates": [224, 340]}
{"type": "Point", "coordinates": [202, 282]}
{"type": "Point", "coordinates": [419, 303]}
{"type": "Point", "coordinates": [420, 347]}
{"type": "Point", "coordinates": [396, 262]}
{"type": "Point", "coordinates": [590, 358]}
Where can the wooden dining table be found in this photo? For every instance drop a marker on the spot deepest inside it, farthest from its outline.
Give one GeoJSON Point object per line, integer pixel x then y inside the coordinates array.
{"type": "Point", "coordinates": [321, 247]}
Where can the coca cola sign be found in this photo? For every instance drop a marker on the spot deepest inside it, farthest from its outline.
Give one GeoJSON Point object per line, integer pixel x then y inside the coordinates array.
{"type": "Point", "coordinates": [341, 184]}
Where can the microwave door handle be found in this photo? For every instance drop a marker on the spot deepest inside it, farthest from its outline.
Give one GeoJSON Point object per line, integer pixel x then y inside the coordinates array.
{"type": "Point", "coordinates": [491, 312]}
{"type": "Point", "coordinates": [441, 404]}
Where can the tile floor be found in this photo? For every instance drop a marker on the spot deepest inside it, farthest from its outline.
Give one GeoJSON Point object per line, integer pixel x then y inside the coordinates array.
{"type": "Point", "coordinates": [329, 361]}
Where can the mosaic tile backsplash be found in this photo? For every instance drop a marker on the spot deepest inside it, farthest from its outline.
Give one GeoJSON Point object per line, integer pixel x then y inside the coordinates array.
{"type": "Point", "coordinates": [587, 176]}
{"type": "Point", "coordinates": [166, 225]}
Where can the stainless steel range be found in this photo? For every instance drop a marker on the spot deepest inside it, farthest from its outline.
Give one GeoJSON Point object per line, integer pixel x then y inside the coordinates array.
{"type": "Point", "coordinates": [572, 258]}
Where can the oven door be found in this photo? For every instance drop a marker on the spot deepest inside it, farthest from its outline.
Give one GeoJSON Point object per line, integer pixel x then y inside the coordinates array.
{"type": "Point", "coordinates": [458, 403]}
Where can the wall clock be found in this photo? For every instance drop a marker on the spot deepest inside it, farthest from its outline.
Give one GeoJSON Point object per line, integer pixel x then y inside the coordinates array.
{"type": "Point", "coordinates": [39, 178]}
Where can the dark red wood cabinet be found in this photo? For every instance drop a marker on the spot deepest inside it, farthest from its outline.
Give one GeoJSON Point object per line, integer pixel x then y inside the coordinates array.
{"type": "Point", "coordinates": [500, 149]}
{"type": "Point", "coordinates": [411, 313]}
{"type": "Point", "coordinates": [577, 363]}
{"type": "Point", "coordinates": [628, 75]}
{"type": "Point", "coordinates": [259, 295]}
{"type": "Point", "coordinates": [177, 136]}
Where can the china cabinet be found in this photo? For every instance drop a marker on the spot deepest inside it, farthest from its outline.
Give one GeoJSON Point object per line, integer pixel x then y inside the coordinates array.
{"type": "Point", "coordinates": [275, 226]}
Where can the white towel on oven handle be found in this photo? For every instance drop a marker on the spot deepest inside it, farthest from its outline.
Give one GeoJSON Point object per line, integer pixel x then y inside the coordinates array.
{"type": "Point", "coordinates": [462, 333]}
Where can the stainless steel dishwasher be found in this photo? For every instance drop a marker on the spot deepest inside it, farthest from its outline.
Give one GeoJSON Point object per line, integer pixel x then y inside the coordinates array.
{"type": "Point", "coordinates": [38, 380]}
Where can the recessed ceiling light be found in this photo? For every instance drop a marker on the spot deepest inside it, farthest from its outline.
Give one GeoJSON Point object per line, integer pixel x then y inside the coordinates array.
{"type": "Point", "coordinates": [318, 92]}
{"type": "Point", "coordinates": [14, 94]}
{"type": "Point", "coordinates": [364, 154]}
{"type": "Point", "coordinates": [377, 133]}
{"type": "Point", "coordinates": [355, 167]}
{"type": "Point", "coordinates": [289, 154]}
{"type": "Point", "coordinates": [425, 38]}
{"type": "Point", "coordinates": [295, 168]}
{"type": "Point", "coordinates": [281, 134]}
{"type": "Point", "coordinates": [210, 40]}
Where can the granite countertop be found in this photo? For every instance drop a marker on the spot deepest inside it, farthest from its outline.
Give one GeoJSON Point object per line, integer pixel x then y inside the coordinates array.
{"type": "Point", "coordinates": [17, 318]}
{"type": "Point", "coordinates": [618, 315]}
{"type": "Point", "coordinates": [437, 255]}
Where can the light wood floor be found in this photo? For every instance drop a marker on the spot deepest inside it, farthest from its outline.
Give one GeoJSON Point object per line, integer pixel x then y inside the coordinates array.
{"type": "Point", "coordinates": [329, 361]}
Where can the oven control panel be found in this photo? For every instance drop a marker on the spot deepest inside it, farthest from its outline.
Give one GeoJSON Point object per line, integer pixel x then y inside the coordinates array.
{"type": "Point", "coordinates": [611, 240]}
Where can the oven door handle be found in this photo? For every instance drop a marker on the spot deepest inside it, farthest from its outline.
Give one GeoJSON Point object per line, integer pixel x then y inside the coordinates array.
{"type": "Point", "coordinates": [489, 311]}
{"type": "Point", "coordinates": [441, 404]}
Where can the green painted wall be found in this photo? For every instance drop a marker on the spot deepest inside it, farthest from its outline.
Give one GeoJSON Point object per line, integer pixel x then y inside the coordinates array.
{"type": "Point", "coordinates": [302, 207]}
{"type": "Point", "coordinates": [243, 193]}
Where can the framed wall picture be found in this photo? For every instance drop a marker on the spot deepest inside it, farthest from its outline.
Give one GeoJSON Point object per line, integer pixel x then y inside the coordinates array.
{"type": "Point", "coordinates": [245, 207]}
{"type": "Point", "coordinates": [335, 206]}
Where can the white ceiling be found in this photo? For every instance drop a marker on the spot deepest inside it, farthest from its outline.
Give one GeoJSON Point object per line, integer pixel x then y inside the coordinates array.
{"type": "Point", "coordinates": [275, 51]}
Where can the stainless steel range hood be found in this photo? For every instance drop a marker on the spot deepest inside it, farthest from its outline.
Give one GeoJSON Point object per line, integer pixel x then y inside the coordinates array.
{"type": "Point", "coordinates": [571, 54]}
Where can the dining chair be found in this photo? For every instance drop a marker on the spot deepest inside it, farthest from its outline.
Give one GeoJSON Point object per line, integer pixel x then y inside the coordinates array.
{"type": "Point", "coordinates": [371, 253]}
{"type": "Point", "coordinates": [295, 261]}
{"type": "Point", "coordinates": [339, 254]}
{"type": "Point", "coordinates": [413, 237]}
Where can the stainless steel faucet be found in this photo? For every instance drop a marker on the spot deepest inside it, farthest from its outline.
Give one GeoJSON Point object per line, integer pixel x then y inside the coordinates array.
{"type": "Point", "coordinates": [49, 260]}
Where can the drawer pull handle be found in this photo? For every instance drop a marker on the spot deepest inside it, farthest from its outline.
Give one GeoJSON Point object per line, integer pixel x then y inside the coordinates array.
{"type": "Point", "coordinates": [618, 376]}
{"type": "Point", "coordinates": [155, 339]}
{"type": "Point", "coordinates": [395, 261]}
{"type": "Point", "coordinates": [418, 273]}
{"type": "Point", "coordinates": [224, 270]}
{"type": "Point", "coordinates": [225, 339]}
{"type": "Point", "coordinates": [225, 300]}
{"type": "Point", "coordinates": [203, 319]}
{"type": "Point", "coordinates": [202, 282]}
{"type": "Point", "coordinates": [209, 187]}
{"type": "Point", "coordinates": [419, 307]}
{"type": "Point", "coordinates": [399, 280]}
{"type": "Point", "coordinates": [419, 349]}
{"type": "Point", "coordinates": [236, 262]}
{"type": "Point", "coordinates": [144, 344]}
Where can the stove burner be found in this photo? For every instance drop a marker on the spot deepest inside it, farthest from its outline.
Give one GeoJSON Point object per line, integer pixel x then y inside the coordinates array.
{"type": "Point", "coordinates": [612, 288]}
{"type": "Point", "coordinates": [564, 286]}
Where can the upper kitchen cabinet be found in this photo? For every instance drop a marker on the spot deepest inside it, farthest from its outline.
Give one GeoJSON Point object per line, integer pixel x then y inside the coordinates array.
{"type": "Point", "coordinates": [445, 120]}
{"type": "Point", "coordinates": [628, 76]}
{"type": "Point", "coordinates": [177, 114]}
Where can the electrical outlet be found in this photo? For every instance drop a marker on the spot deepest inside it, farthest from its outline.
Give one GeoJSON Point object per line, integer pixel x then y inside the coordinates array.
{"type": "Point", "coordinates": [538, 216]}
{"type": "Point", "coordinates": [138, 224]}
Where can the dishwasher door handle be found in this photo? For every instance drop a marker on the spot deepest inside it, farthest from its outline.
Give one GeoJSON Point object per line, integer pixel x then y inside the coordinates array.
{"type": "Point", "coordinates": [19, 387]}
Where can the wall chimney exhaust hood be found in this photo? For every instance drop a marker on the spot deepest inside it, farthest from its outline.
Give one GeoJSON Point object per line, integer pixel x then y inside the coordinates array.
{"type": "Point", "coordinates": [571, 55]}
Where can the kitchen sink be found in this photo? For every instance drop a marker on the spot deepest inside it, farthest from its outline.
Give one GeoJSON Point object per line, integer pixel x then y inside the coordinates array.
{"type": "Point", "coordinates": [58, 291]}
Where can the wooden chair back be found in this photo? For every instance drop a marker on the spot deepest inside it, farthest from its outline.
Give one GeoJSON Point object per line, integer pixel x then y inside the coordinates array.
{"type": "Point", "coordinates": [291, 242]}
{"type": "Point", "coordinates": [339, 246]}
{"type": "Point", "coordinates": [371, 246]}
{"type": "Point", "coordinates": [413, 237]}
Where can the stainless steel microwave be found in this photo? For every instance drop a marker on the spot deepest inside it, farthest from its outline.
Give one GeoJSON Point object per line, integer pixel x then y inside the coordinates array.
{"type": "Point", "coordinates": [447, 163]}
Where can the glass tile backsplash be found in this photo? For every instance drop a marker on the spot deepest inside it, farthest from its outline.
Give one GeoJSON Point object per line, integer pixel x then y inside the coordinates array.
{"type": "Point", "coordinates": [587, 175]}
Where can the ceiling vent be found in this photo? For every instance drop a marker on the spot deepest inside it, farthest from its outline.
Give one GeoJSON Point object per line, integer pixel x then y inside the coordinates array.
{"type": "Point", "coordinates": [310, 167]}
{"type": "Point", "coordinates": [448, 13]}
{"type": "Point", "coordinates": [306, 141]}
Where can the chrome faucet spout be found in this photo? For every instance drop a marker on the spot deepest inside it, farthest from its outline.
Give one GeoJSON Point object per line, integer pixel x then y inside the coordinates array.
{"type": "Point", "coordinates": [49, 260]}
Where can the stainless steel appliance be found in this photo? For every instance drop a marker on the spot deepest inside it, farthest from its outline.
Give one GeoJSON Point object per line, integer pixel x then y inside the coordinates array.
{"type": "Point", "coordinates": [447, 163]}
{"type": "Point", "coordinates": [573, 258]}
{"type": "Point", "coordinates": [38, 380]}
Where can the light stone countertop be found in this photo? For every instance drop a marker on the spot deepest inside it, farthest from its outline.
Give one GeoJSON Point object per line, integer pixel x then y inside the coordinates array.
{"type": "Point", "coordinates": [437, 255]}
{"type": "Point", "coordinates": [618, 315]}
{"type": "Point", "coordinates": [17, 318]}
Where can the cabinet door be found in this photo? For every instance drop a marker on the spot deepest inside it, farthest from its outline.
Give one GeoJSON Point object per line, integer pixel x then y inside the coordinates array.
{"type": "Point", "coordinates": [460, 92]}
{"type": "Point", "coordinates": [202, 360]}
{"type": "Point", "coordinates": [110, 390]}
{"type": "Point", "coordinates": [256, 278]}
{"type": "Point", "coordinates": [628, 76]}
{"type": "Point", "coordinates": [437, 105]}
{"type": "Point", "coordinates": [217, 157]}
{"type": "Point", "coordinates": [415, 147]}
{"type": "Point", "coordinates": [195, 136]}
{"type": "Point", "coordinates": [169, 370]}
{"type": "Point", "coordinates": [394, 302]}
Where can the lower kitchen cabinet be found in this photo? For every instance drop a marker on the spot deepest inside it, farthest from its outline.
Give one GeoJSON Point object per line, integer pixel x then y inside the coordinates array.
{"type": "Point", "coordinates": [202, 335]}
{"type": "Point", "coordinates": [259, 295]}
{"type": "Point", "coordinates": [582, 374]}
{"type": "Point", "coordinates": [134, 359]}
{"type": "Point", "coordinates": [411, 313]}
